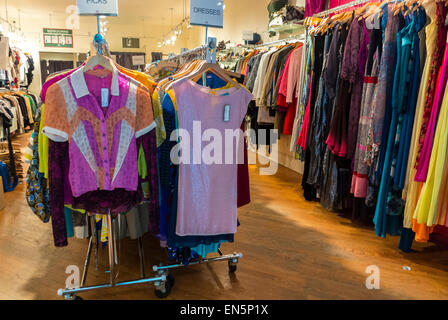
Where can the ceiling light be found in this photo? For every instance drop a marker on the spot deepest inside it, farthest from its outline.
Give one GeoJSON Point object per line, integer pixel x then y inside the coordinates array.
{"type": "Point", "coordinates": [173, 38]}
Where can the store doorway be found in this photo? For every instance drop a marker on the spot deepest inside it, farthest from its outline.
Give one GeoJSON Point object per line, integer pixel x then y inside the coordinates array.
{"type": "Point", "coordinates": [52, 62]}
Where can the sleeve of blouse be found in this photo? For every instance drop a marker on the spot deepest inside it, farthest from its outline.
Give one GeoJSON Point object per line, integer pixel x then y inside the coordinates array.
{"type": "Point", "coordinates": [145, 116]}
{"type": "Point", "coordinates": [56, 123]}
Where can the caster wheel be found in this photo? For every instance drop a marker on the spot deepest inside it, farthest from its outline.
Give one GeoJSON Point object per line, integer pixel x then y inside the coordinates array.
{"type": "Point", "coordinates": [72, 297]}
{"type": "Point", "coordinates": [171, 280]}
{"type": "Point", "coordinates": [168, 286]}
{"type": "Point", "coordinates": [232, 267]}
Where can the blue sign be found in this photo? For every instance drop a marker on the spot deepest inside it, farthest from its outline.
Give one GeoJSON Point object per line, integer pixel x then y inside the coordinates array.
{"type": "Point", "coordinates": [207, 13]}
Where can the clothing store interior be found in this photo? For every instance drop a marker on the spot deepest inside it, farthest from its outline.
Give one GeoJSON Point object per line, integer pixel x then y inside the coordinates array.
{"type": "Point", "coordinates": [225, 150]}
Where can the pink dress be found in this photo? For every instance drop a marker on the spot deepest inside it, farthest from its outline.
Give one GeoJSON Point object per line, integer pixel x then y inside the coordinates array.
{"type": "Point", "coordinates": [207, 188]}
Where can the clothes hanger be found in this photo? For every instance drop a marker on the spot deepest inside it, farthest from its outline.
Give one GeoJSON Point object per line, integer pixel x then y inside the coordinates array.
{"type": "Point", "coordinates": [373, 7]}
{"type": "Point", "coordinates": [98, 60]}
{"type": "Point", "coordinates": [195, 65]}
{"type": "Point", "coordinates": [215, 69]}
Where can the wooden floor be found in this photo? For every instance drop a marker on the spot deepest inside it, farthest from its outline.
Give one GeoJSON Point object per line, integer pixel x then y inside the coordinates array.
{"type": "Point", "coordinates": [292, 249]}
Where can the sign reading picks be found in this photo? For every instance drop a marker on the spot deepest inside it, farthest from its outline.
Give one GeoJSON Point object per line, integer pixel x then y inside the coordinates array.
{"type": "Point", "coordinates": [97, 7]}
{"type": "Point", "coordinates": [60, 38]}
{"type": "Point", "coordinates": [207, 13]}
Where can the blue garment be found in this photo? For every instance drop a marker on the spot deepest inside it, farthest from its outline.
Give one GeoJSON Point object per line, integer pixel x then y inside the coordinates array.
{"type": "Point", "coordinates": [69, 222]}
{"type": "Point", "coordinates": [383, 223]}
{"type": "Point", "coordinates": [8, 186]}
{"type": "Point", "coordinates": [390, 206]}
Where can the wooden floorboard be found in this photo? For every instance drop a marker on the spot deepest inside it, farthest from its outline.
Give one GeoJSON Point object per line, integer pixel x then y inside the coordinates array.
{"type": "Point", "coordinates": [292, 249]}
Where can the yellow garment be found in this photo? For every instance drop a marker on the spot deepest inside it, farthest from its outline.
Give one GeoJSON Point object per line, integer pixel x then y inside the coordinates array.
{"type": "Point", "coordinates": [158, 117]}
{"type": "Point", "coordinates": [425, 212]}
{"type": "Point", "coordinates": [104, 232]}
{"type": "Point", "coordinates": [29, 109]}
{"type": "Point", "coordinates": [69, 206]}
{"type": "Point", "coordinates": [442, 207]}
{"type": "Point", "coordinates": [146, 80]}
{"type": "Point", "coordinates": [43, 147]}
{"type": "Point", "coordinates": [411, 188]}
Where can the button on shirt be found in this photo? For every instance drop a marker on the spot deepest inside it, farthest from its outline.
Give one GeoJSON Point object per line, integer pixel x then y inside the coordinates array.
{"type": "Point", "coordinates": [102, 140]}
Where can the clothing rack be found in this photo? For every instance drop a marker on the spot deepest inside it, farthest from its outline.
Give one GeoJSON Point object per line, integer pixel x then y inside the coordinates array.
{"type": "Point", "coordinates": [186, 53]}
{"type": "Point", "coordinates": [162, 283]}
{"type": "Point", "coordinates": [293, 38]}
{"type": "Point", "coordinates": [341, 7]}
{"type": "Point", "coordinates": [232, 259]}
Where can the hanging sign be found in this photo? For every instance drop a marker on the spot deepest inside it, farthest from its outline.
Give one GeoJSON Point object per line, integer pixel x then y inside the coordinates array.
{"type": "Point", "coordinates": [97, 7]}
{"type": "Point", "coordinates": [207, 13]}
{"type": "Point", "coordinates": [131, 42]}
{"type": "Point", "coordinates": [138, 60]}
{"type": "Point", "coordinates": [59, 38]}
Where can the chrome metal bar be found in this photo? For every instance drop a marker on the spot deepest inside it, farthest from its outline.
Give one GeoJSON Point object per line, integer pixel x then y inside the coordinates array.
{"type": "Point", "coordinates": [110, 242]}
{"type": "Point", "coordinates": [97, 241]}
{"type": "Point", "coordinates": [226, 257]}
{"type": "Point", "coordinates": [88, 255]}
{"type": "Point", "coordinates": [267, 44]}
{"type": "Point", "coordinates": [142, 257]}
{"type": "Point", "coordinates": [62, 292]}
{"type": "Point", "coordinates": [341, 7]}
{"type": "Point", "coordinates": [186, 53]}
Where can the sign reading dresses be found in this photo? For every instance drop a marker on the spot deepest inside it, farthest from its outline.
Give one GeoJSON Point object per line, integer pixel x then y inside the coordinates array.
{"type": "Point", "coordinates": [59, 38]}
{"type": "Point", "coordinates": [207, 13]}
{"type": "Point", "coordinates": [97, 7]}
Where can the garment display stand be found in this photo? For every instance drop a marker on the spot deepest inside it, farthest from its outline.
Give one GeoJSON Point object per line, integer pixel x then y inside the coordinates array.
{"type": "Point", "coordinates": [232, 259]}
{"type": "Point", "coordinates": [162, 283]}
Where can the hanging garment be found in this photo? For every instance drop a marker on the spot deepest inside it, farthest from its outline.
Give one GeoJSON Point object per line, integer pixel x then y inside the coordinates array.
{"type": "Point", "coordinates": [317, 138]}
{"type": "Point", "coordinates": [354, 63]}
{"type": "Point", "coordinates": [430, 196]}
{"type": "Point", "coordinates": [314, 6]}
{"type": "Point", "coordinates": [208, 208]}
{"type": "Point", "coordinates": [412, 188]}
{"type": "Point", "coordinates": [360, 168]}
{"type": "Point", "coordinates": [381, 102]}
{"type": "Point", "coordinates": [441, 12]}
{"type": "Point", "coordinates": [37, 192]}
{"type": "Point", "coordinates": [423, 164]}
{"type": "Point", "coordinates": [97, 151]}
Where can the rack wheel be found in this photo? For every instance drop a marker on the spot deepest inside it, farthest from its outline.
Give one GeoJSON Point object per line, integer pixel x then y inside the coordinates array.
{"type": "Point", "coordinates": [232, 266]}
{"type": "Point", "coordinates": [72, 297]}
{"type": "Point", "coordinates": [168, 286]}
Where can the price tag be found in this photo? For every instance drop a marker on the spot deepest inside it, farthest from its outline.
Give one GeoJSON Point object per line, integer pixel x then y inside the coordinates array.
{"type": "Point", "coordinates": [227, 113]}
{"type": "Point", "coordinates": [104, 97]}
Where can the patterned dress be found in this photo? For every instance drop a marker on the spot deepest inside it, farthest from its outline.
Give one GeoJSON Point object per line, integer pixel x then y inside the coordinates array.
{"type": "Point", "coordinates": [360, 168]}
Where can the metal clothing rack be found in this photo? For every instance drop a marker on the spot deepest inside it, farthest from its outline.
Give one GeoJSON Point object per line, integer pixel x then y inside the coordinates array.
{"type": "Point", "coordinates": [162, 283]}
{"type": "Point", "coordinates": [201, 49]}
{"type": "Point", "coordinates": [341, 7]}
{"type": "Point", "coordinates": [293, 38]}
{"type": "Point", "coordinates": [232, 259]}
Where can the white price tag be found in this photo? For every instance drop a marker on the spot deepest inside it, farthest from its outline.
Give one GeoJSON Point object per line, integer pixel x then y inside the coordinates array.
{"type": "Point", "coordinates": [227, 113]}
{"type": "Point", "coordinates": [104, 97]}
